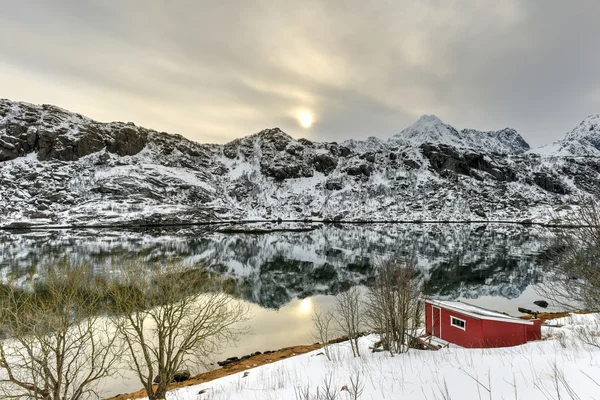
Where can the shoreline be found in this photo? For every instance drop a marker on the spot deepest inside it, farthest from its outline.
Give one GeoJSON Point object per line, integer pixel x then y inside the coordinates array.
{"type": "Point", "coordinates": [257, 359]}
{"type": "Point", "coordinates": [27, 227]}
{"type": "Point", "coordinates": [243, 364]}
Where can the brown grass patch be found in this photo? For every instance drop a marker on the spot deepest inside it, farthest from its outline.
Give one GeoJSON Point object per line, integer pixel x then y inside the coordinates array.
{"type": "Point", "coordinates": [238, 366]}
{"type": "Point", "coordinates": [547, 316]}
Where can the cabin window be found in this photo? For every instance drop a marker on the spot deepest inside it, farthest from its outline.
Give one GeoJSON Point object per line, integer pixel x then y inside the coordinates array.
{"type": "Point", "coordinates": [458, 323]}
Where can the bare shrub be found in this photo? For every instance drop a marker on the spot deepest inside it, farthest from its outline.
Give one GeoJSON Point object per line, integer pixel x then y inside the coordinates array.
{"type": "Point", "coordinates": [356, 387]}
{"type": "Point", "coordinates": [57, 344]}
{"type": "Point", "coordinates": [574, 262]}
{"type": "Point", "coordinates": [348, 316]}
{"type": "Point", "coordinates": [588, 334]}
{"type": "Point", "coordinates": [171, 316]}
{"type": "Point", "coordinates": [327, 391]}
{"type": "Point", "coordinates": [302, 393]}
{"type": "Point", "coordinates": [322, 329]}
{"type": "Point", "coordinates": [393, 306]}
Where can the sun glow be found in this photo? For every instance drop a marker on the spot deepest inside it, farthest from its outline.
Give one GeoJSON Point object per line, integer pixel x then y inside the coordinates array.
{"type": "Point", "coordinates": [305, 306]}
{"type": "Point", "coordinates": [305, 118]}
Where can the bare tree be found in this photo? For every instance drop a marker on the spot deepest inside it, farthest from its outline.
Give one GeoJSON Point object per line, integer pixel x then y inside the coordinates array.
{"type": "Point", "coordinates": [356, 387]}
{"type": "Point", "coordinates": [171, 316]}
{"type": "Point", "coordinates": [393, 306]}
{"type": "Point", "coordinates": [323, 327]}
{"type": "Point", "coordinates": [57, 345]}
{"type": "Point", "coordinates": [348, 310]}
{"type": "Point", "coordinates": [573, 261]}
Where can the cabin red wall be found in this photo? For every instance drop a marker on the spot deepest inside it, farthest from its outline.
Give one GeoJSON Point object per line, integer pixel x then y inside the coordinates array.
{"type": "Point", "coordinates": [504, 334]}
{"type": "Point", "coordinates": [473, 336]}
{"type": "Point", "coordinates": [482, 333]}
{"type": "Point", "coordinates": [534, 332]}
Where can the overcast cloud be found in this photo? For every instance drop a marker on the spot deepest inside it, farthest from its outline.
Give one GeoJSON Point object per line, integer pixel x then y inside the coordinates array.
{"type": "Point", "coordinates": [216, 70]}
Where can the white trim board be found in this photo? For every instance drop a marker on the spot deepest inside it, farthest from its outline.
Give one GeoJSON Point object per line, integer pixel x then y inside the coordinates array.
{"type": "Point", "coordinates": [458, 319]}
{"type": "Point", "coordinates": [459, 308]}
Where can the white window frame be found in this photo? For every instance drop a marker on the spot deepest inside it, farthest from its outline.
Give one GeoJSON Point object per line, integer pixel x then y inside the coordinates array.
{"type": "Point", "coordinates": [452, 318]}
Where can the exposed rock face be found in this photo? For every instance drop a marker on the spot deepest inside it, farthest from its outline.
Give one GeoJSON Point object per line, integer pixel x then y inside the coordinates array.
{"type": "Point", "coordinates": [325, 163]}
{"type": "Point", "coordinates": [54, 133]}
{"type": "Point", "coordinates": [446, 158]}
{"type": "Point", "coordinates": [60, 168]}
{"type": "Point", "coordinates": [127, 141]}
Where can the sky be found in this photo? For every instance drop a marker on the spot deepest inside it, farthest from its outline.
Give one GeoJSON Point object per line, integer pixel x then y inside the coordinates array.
{"type": "Point", "coordinates": [325, 70]}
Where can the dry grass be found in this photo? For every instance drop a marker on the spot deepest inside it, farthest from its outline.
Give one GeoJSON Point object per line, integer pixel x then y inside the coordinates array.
{"type": "Point", "coordinates": [242, 365]}
{"type": "Point", "coordinates": [547, 316]}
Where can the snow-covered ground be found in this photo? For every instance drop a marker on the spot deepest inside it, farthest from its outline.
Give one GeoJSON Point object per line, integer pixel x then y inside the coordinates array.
{"type": "Point", "coordinates": [560, 367]}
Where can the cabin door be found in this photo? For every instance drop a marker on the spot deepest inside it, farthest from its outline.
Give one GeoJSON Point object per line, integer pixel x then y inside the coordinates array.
{"type": "Point", "coordinates": [437, 321]}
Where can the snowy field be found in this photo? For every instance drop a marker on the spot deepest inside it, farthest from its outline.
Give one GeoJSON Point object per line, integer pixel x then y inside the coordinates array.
{"type": "Point", "coordinates": [563, 366]}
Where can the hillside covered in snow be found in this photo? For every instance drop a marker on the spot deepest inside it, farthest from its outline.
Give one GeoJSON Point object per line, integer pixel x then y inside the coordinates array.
{"type": "Point", "coordinates": [562, 366]}
{"type": "Point", "coordinates": [582, 141]}
{"type": "Point", "coordinates": [59, 168]}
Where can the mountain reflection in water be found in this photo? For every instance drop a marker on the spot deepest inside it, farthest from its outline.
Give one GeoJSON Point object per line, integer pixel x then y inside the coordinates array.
{"type": "Point", "coordinates": [285, 275]}
{"type": "Point", "coordinates": [272, 268]}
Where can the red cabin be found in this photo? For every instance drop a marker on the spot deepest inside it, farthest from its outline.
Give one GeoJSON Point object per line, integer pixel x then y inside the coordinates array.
{"type": "Point", "coordinates": [475, 327]}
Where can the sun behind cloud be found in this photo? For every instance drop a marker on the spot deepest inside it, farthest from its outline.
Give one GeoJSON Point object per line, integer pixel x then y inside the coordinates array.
{"type": "Point", "coordinates": [305, 118]}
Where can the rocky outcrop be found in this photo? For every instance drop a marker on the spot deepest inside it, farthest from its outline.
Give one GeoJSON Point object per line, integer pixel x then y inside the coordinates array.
{"type": "Point", "coordinates": [54, 133]}
{"type": "Point", "coordinates": [446, 158]}
{"type": "Point", "coordinates": [325, 163]}
{"type": "Point", "coordinates": [178, 376]}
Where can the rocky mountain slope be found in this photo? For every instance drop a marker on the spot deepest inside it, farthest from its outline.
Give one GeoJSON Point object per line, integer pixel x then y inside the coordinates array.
{"type": "Point", "coordinates": [583, 141]}
{"type": "Point", "coordinates": [60, 168]}
{"type": "Point", "coordinates": [430, 129]}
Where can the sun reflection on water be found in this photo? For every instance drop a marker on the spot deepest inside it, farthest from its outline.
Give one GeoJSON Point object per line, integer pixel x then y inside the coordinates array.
{"type": "Point", "coordinates": [305, 307]}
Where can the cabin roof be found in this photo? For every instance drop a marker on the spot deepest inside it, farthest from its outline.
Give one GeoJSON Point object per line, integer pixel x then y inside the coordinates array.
{"type": "Point", "coordinates": [477, 312]}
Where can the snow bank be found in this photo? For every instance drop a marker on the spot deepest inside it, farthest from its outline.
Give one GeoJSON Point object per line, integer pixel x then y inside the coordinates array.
{"type": "Point", "coordinates": [538, 370]}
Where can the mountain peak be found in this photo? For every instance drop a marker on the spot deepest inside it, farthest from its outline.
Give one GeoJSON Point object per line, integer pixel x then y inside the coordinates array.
{"type": "Point", "coordinates": [590, 126]}
{"type": "Point", "coordinates": [582, 141]}
{"type": "Point", "coordinates": [429, 119]}
{"type": "Point", "coordinates": [428, 129]}
{"type": "Point", "coordinates": [592, 117]}
{"type": "Point", "coordinates": [426, 123]}
{"type": "Point", "coordinates": [431, 129]}
{"type": "Point", "coordinates": [273, 134]}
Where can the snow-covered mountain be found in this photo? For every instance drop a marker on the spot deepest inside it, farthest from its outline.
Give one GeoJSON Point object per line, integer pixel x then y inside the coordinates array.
{"type": "Point", "coordinates": [583, 141]}
{"type": "Point", "coordinates": [430, 129]}
{"type": "Point", "coordinates": [60, 168]}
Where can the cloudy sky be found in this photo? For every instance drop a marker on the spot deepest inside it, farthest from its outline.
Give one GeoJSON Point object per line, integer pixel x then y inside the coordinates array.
{"type": "Point", "coordinates": [216, 70]}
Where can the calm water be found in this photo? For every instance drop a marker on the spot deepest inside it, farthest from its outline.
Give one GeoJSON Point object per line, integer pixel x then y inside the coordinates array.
{"type": "Point", "coordinates": [285, 275]}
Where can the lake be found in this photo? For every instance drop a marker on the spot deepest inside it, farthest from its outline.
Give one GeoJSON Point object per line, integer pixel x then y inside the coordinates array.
{"type": "Point", "coordinates": [284, 275]}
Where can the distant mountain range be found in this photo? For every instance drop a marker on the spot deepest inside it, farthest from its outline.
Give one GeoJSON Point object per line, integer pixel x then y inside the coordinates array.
{"type": "Point", "coordinates": [59, 168]}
